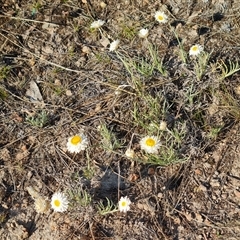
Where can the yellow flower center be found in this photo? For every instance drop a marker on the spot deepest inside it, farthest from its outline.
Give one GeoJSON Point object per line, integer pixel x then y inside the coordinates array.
{"type": "Point", "coordinates": [150, 142]}
{"type": "Point", "coordinates": [124, 204]}
{"type": "Point", "coordinates": [76, 140]}
{"type": "Point", "coordinates": [160, 18]}
{"type": "Point", "coordinates": [195, 48]}
{"type": "Point", "coordinates": [57, 203]}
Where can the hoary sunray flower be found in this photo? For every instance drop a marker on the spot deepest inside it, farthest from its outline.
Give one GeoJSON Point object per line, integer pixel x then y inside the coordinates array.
{"type": "Point", "coordinates": [150, 144]}
{"type": "Point", "coordinates": [59, 202]}
{"type": "Point", "coordinates": [161, 17]}
{"type": "Point", "coordinates": [143, 33]}
{"type": "Point", "coordinates": [77, 143]}
{"type": "Point", "coordinates": [124, 204]}
{"type": "Point", "coordinates": [97, 24]}
{"type": "Point", "coordinates": [195, 50]}
{"type": "Point", "coordinates": [114, 45]}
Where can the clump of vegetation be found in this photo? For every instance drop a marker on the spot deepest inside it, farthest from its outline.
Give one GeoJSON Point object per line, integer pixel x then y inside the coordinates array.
{"type": "Point", "coordinates": [79, 197]}
{"type": "Point", "coordinates": [39, 120]}
{"type": "Point", "coordinates": [4, 71]}
{"type": "Point", "coordinates": [3, 94]}
{"type": "Point", "coordinates": [107, 208]}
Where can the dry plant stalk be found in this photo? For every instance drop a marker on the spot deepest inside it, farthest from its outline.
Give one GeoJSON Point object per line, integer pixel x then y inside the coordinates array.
{"type": "Point", "coordinates": [41, 204]}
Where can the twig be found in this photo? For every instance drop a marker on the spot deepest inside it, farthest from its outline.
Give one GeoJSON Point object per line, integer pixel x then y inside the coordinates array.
{"type": "Point", "coordinates": [29, 20]}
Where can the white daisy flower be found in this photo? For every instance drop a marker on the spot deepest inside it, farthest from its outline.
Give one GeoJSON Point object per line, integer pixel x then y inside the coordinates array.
{"type": "Point", "coordinates": [114, 45]}
{"type": "Point", "coordinates": [195, 50]}
{"type": "Point", "coordinates": [77, 143]}
{"type": "Point", "coordinates": [161, 17]}
{"type": "Point", "coordinates": [130, 153]}
{"type": "Point", "coordinates": [143, 33]}
{"type": "Point", "coordinates": [124, 204]}
{"type": "Point", "coordinates": [97, 24]}
{"type": "Point", "coordinates": [150, 144]}
{"type": "Point", "coordinates": [59, 202]}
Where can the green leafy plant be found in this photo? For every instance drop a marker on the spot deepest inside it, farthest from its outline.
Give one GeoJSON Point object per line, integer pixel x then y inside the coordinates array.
{"type": "Point", "coordinates": [3, 218]}
{"type": "Point", "coordinates": [171, 141]}
{"type": "Point", "coordinates": [229, 104]}
{"type": "Point", "coordinates": [3, 94]}
{"type": "Point", "coordinates": [213, 132]}
{"type": "Point", "coordinates": [156, 61]}
{"type": "Point", "coordinates": [148, 118]}
{"type": "Point", "coordinates": [145, 67]}
{"type": "Point", "coordinates": [182, 52]}
{"type": "Point", "coordinates": [39, 120]}
{"type": "Point", "coordinates": [88, 171]}
{"type": "Point", "coordinates": [80, 197]}
{"type": "Point", "coordinates": [104, 209]}
{"type": "Point", "coordinates": [36, 6]}
{"type": "Point", "coordinates": [109, 140]}
{"type": "Point", "coordinates": [146, 112]}
{"type": "Point", "coordinates": [102, 58]}
{"type": "Point", "coordinates": [201, 64]}
{"type": "Point", "coordinates": [229, 70]}
{"type": "Point", "coordinates": [168, 156]}
{"type": "Point", "coordinates": [4, 71]}
{"type": "Point", "coordinates": [128, 32]}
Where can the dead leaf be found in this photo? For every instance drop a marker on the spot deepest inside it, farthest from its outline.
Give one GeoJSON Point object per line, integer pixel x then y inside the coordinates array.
{"type": "Point", "coordinates": [48, 50]}
{"type": "Point", "coordinates": [133, 177]}
{"type": "Point", "coordinates": [98, 107]}
{"type": "Point", "coordinates": [23, 153]}
{"type": "Point", "coordinates": [32, 61]}
{"type": "Point", "coordinates": [237, 90]}
{"type": "Point", "coordinates": [199, 217]}
{"type": "Point", "coordinates": [5, 154]}
{"type": "Point", "coordinates": [49, 26]}
{"type": "Point", "coordinates": [16, 117]}
{"type": "Point", "coordinates": [86, 49]}
{"type": "Point", "coordinates": [34, 94]}
{"type": "Point", "coordinates": [177, 220]}
{"type": "Point", "coordinates": [24, 148]}
{"type": "Point", "coordinates": [192, 33]}
{"type": "Point", "coordinates": [145, 206]}
{"type": "Point", "coordinates": [202, 188]}
{"type": "Point", "coordinates": [198, 172]}
{"type": "Point", "coordinates": [237, 193]}
{"type": "Point", "coordinates": [151, 171]}
{"type": "Point", "coordinates": [105, 42]}
{"type": "Point", "coordinates": [188, 217]}
{"type": "Point", "coordinates": [193, 15]}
